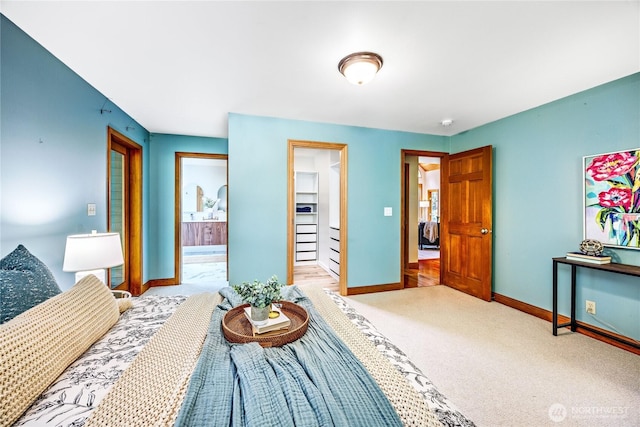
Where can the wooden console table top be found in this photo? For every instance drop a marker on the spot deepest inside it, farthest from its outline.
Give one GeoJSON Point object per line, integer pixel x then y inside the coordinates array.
{"type": "Point", "coordinates": [613, 267]}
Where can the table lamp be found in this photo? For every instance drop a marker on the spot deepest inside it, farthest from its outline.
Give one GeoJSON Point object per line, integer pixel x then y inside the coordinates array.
{"type": "Point", "coordinates": [423, 204]}
{"type": "Point", "coordinates": [92, 254]}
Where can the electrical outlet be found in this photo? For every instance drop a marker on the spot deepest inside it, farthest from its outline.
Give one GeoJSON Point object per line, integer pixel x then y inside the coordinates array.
{"type": "Point", "coordinates": [591, 307]}
{"type": "Point", "coordinates": [91, 209]}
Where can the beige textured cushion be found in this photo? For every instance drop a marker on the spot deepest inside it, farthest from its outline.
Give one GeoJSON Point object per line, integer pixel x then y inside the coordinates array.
{"type": "Point", "coordinates": [38, 345]}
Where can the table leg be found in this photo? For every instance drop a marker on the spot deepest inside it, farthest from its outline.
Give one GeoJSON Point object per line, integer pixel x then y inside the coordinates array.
{"type": "Point", "coordinates": [573, 298]}
{"type": "Point", "coordinates": [554, 315]}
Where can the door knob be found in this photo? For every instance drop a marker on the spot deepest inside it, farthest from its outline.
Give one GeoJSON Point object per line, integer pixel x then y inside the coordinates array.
{"type": "Point", "coordinates": [484, 231]}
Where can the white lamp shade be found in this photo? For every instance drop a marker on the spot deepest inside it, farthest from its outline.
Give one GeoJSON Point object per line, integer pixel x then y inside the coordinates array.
{"type": "Point", "coordinates": [92, 251]}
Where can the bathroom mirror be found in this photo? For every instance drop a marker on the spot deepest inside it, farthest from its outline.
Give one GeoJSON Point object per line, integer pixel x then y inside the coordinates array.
{"type": "Point", "coordinates": [192, 198]}
{"type": "Point", "coordinates": [222, 195]}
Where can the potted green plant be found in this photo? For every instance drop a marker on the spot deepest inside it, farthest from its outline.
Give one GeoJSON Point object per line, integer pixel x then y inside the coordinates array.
{"type": "Point", "coordinates": [260, 296]}
{"type": "Point", "coordinates": [209, 204]}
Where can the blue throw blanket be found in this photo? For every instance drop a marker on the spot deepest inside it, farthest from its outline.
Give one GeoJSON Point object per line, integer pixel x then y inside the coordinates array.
{"type": "Point", "coordinates": [314, 381]}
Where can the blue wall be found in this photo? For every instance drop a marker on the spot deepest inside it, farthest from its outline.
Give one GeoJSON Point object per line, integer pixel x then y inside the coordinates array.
{"type": "Point", "coordinates": [162, 159]}
{"type": "Point", "coordinates": [538, 198]}
{"type": "Point", "coordinates": [45, 186]}
{"type": "Point", "coordinates": [258, 195]}
{"type": "Point", "coordinates": [53, 151]}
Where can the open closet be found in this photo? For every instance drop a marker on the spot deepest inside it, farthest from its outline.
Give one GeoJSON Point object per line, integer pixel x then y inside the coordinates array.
{"type": "Point", "coordinates": [317, 208]}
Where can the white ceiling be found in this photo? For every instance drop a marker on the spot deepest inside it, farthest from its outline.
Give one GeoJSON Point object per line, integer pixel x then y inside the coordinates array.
{"type": "Point", "coordinates": [180, 67]}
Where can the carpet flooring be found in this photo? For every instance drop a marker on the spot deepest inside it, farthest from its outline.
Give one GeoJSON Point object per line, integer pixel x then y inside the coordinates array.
{"type": "Point", "coordinates": [502, 367]}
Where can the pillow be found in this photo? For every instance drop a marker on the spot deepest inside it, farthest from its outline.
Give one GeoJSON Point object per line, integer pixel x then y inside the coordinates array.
{"type": "Point", "coordinates": [38, 345]}
{"type": "Point", "coordinates": [25, 282]}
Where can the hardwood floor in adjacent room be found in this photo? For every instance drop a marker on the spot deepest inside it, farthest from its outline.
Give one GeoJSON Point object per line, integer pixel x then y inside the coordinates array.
{"type": "Point", "coordinates": [314, 275]}
{"type": "Point", "coordinates": [427, 273]}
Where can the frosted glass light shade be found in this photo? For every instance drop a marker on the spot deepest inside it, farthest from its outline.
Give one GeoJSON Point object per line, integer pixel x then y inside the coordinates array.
{"type": "Point", "coordinates": [361, 67]}
{"type": "Point", "coordinates": [92, 251]}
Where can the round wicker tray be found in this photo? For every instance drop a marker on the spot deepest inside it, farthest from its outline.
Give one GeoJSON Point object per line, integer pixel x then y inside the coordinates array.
{"type": "Point", "coordinates": [236, 327]}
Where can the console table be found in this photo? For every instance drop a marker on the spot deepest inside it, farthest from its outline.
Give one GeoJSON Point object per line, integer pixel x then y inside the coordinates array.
{"type": "Point", "coordinates": [629, 270]}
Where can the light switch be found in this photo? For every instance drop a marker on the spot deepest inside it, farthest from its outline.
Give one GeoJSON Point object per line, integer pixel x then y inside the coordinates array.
{"type": "Point", "coordinates": [91, 209]}
{"type": "Point", "coordinates": [388, 211]}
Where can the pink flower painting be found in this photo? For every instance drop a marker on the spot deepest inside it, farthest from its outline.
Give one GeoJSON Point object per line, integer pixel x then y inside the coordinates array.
{"type": "Point", "coordinates": [612, 198]}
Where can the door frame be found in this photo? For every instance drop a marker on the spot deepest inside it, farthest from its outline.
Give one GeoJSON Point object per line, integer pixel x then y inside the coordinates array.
{"type": "Point", "coordinates": [342, 148]}
{"type": "Point", "coordinates": [132, 238]}
{"type": "Point", "coordinates": [177, 258]}
{"type": "Point", "coordinates": [404, 230]}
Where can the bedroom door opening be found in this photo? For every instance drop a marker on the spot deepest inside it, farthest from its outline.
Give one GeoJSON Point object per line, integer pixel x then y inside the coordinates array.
{"type": "Point", "coordinates": [201, 219]}
{"type": "Point", "coordinates": [421, 218]}
{"type": "Point", "coordinates": [124, 206]}
{"type": "Point", "coordinates": [317, 223]}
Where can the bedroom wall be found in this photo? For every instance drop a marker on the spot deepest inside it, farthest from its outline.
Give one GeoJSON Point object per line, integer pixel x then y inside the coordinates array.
{"type": "Point", "coordinates": [538, 198]}
{"type": "Point", "coordinates": [53, 162]}
{"type": "Point", "coordinates": [162, 150]}
{"type": "Point", "coordinates": [53, 152]}
{"type": "Point", "coordinates": [258, 195]}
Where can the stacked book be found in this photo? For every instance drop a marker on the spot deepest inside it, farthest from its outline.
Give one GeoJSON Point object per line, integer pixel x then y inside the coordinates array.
{"type": "Point", "coordinates": [275, 322]}
{"type": "Point", "coordinates": [594, 259]}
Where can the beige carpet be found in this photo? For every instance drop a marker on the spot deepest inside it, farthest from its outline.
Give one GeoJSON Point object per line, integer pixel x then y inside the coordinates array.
{"type": "Point", "coordinates": [502, 367]}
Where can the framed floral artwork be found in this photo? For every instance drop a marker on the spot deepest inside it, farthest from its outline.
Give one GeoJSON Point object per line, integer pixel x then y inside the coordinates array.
{"type": "Point", "coordinates": [612, 198]}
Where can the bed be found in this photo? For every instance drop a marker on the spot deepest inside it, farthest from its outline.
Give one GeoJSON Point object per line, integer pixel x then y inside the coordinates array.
{"type": "Point", "coordinates": [82, 357]}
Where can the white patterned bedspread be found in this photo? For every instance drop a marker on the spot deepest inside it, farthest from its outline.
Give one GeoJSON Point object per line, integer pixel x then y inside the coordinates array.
{"type": "Point", "coordinates": [70, 400]}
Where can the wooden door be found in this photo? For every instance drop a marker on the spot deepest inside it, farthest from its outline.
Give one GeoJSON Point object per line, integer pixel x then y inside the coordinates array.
{"type": "Point", "coordinates": [466, 208]}
{"type": "Point", "coordinates": [124, 206]}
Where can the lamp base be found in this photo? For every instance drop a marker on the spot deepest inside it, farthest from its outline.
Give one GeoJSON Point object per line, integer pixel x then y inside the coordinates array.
{"type": "Point", "coordinates": [99, 273]}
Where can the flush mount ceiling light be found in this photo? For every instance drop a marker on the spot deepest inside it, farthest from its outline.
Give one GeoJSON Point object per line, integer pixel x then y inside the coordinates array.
{"type": "Point", "coordinates": [446, 122]}
{"type": "Point", "coordinates": [360, 67]}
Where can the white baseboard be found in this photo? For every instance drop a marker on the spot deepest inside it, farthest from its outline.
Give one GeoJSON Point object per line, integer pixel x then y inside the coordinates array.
{"type": "Point", "coordinates": [328, 270]}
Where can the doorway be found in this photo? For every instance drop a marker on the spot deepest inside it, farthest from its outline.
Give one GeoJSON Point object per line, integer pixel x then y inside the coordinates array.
{"type": "Point", "coordinates": [201, 219]}
{"type": "Point", "coordinates": [465, 216]}
{"type": "Point", "coordinates": [317, 214]}
{"type": "Point", "coordinates": [124, 207]}
{"type": "Point", "coordinates": [421, 218]}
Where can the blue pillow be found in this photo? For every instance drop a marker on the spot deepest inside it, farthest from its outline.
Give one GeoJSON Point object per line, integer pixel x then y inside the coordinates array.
{"type": "Point", "coordinates": [25, 282]}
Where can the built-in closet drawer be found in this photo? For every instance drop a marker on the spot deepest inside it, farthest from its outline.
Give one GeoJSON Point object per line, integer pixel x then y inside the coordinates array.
{"type": "Point", "coordinates": [305, 256]}
{"type": "Point", "coordinates": [305, 246]}
{"type": "Point", "coordinates": [306, 237]}
{"type": "Point", "coordinates": [334, 266]}
{"type": "Point", "coordinates": [306, 228]}
{"type": "Point", "coordinates": [334, 244]}
{"type": "Point", "coordinates": [334, 233]}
